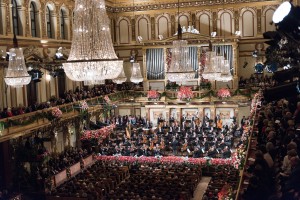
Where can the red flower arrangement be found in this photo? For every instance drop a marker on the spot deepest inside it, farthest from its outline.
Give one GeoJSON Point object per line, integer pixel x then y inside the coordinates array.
{"type": "Point", "coordinates": [223, 93]}
{"type": "Point", "coordinates": [153, 94]}
{"type": "Point", "coordinates": [98, 134]}
{"type": "Point", "coordinates": [56, 112]}
{"type": "Point", "coordinates": [185, 93]}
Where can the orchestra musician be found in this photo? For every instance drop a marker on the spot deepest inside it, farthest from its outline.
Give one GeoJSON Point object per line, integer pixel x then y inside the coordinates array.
{"type": "Point", "coordinates": [151, 144]}
{"type": "Point", "coordinates": [219, 123]}
{"type": "Point", "coordinates": [184, 146]}
{"type": "Point", "coordinates": [197, 153]}
{"type": "Point", "coordinates": [146, 151]}
{"type": "Point", "coordinates": [156, 150]}
{"type": "Point", "coordinates": [162, 145]}
{"type": "Point", "coordinates": [206, 120]}
{"type": "Point", "coordinates": [211, 140]}
{"type": "Point", "coordinates": [174, 145]}
{"type": "Point", "coordinates": [226, 153]}
{"type": "Point", "coordinates": [212, 152]}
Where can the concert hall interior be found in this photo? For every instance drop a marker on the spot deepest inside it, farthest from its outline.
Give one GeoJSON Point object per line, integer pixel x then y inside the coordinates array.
{"type": "Point", "coordinates": [144, 99]}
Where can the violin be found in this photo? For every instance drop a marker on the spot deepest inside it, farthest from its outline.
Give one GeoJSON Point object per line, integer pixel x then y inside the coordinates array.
{"type": "Point", "coordinates": [155, 138]}
{"type": "Point", "coordinates": [144, 139]}
{"type": "Point", "coordinates": [162, 144]}
{"type": "Point", "coordinates": [151, 145]}
{"type": "Point", "coordinates": [184, 147]}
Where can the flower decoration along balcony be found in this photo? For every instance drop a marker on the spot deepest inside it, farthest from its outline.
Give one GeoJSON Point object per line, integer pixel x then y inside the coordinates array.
{"type": "Point", "coordinates": [185, 93]}
{"type": "Point", "coordinates": [83, 105]}
{"type": "Point", "coordinates": [54, 114]}
{"type": "Point", "coordinates": [223, 93]}
{"type": "Point", "coordinates": [153, 95]}
{"type": "Point", "coordinates": [107, 99]}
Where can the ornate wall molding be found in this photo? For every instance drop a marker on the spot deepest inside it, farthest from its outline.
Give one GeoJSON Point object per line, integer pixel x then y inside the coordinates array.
{"type": "Point", "coordinates": [130, 8]}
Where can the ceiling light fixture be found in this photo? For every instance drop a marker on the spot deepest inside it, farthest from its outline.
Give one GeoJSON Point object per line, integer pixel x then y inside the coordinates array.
{"type": "Point", "coordinates": [92, 55]}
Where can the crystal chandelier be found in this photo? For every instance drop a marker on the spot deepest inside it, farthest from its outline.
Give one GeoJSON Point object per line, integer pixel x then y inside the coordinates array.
{"type": "Point", "coordinates": [210, 70]}
{"type": "Point", "coordinates": [94, 82]}
{"type": "Point", "coordinates": [136, 75]}
{"type": "Point", "coordinates": [121, 78]}
{"type": "Point", "coordinates": [181, 66]}
{"type": "Point", "coordinates": [92, 56]}
{"type": "Point", "coordinates": [16, 75]}
{"type": "Point", "coordinates": [225, 72]}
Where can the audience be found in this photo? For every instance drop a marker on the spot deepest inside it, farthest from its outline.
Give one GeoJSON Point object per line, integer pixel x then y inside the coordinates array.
{"type": "Point", "coordinates": [69, 97]}
{"type": "Point", "coordinates": [275, 172]}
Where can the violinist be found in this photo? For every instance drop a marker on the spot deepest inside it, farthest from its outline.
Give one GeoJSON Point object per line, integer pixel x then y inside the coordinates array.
{"type": "Point", "coordinates": [146, 151]}
{"type": "Point", "coordinates": [184, 146]}
{"type": "Point", "coordinates": [151, 144]}
{"type": "Point", "coordinates": [156, 150]}
{"type": "Point", "coordinates": [162, 145]}
{"type": "Point", "coordinates": [155, 138]}
{"type": "Point", "coordinates": [174, 146]}
{"type": "Point", "coordinates": [144, 139]}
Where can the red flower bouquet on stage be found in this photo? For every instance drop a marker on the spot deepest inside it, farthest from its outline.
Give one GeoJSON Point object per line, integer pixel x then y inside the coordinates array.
{"type": "Point", "coordinates": [185, 93]}
{"type": "Point", "coordinates": [153, 95]}
{"type": "Point", "coordinates": [97, 135]}
{"type": "Point", "coordinates": [223, 93]}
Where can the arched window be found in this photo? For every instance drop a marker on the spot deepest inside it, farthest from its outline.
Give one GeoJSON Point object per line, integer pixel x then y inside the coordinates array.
{"type": "Point", "coordinates": [33, 21]}
{"type": "Point", "coordinates": [15, 18]}
{"type": "Point", "coordinates": [62, 25]}
{"type": "Point", "coordinates": [48, 22]}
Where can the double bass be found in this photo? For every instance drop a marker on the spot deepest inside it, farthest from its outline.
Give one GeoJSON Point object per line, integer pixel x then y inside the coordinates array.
{"type": "Point", "coordinates": [162, 144]}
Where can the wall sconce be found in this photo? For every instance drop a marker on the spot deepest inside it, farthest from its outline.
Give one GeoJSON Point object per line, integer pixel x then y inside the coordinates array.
{"type": "Point", "coordinates": [237, 33]}
{"type": "Point", "coordinates": [48, 77]}
{"type": "Point", "coordinates": [213, 34]}
{"type": "Point", "coordinates": [140, 39]}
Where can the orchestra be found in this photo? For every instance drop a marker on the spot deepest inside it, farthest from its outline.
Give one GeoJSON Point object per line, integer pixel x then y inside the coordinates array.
{"type": "Point", "coordinates": [190, 137]}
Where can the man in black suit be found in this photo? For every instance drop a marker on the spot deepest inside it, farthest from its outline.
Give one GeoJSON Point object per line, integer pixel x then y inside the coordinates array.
{"type": "Point", "coordinates": [226, 152]}
{"type": "Point", "coordinates": [174, 145]}
{"type": "Point", "coordinates": [212, 152]}
{"type": "Point", "coordinates": [197, 152]}
{"type": "Point", "coordinates": [243, 120]}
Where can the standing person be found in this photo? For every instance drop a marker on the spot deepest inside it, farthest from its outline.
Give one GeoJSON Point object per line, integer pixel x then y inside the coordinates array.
{"type": "Point", "coordinates": [243, 121]}
{"type": "Point", "coordinates": [174, 145]}
{"type": "Point", "coordinates": [206, 120]}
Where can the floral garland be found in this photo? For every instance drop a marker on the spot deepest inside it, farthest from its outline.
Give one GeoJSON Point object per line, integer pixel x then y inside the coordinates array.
{"type": "Point", "coordinates": [56, 112]}
{"type": "Point", "coordinates": [238, 157]}
{"type": "Point", "coordinates": [185, 93]}
{"type": "Point", "coordinates": [83, 105]}
{"type": "Point", "coordinates": [153, 94]}
{"type": "Point", "coordinates": [106, 98]}
{"type": "Point", "coordinates": [165, 160]}
{"type": "Point", "coordinates": [256, 101]}
{"type": "Point", "coordinates": [223, 93]}
{"type": "Point", "coordinates": [98, 134]}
